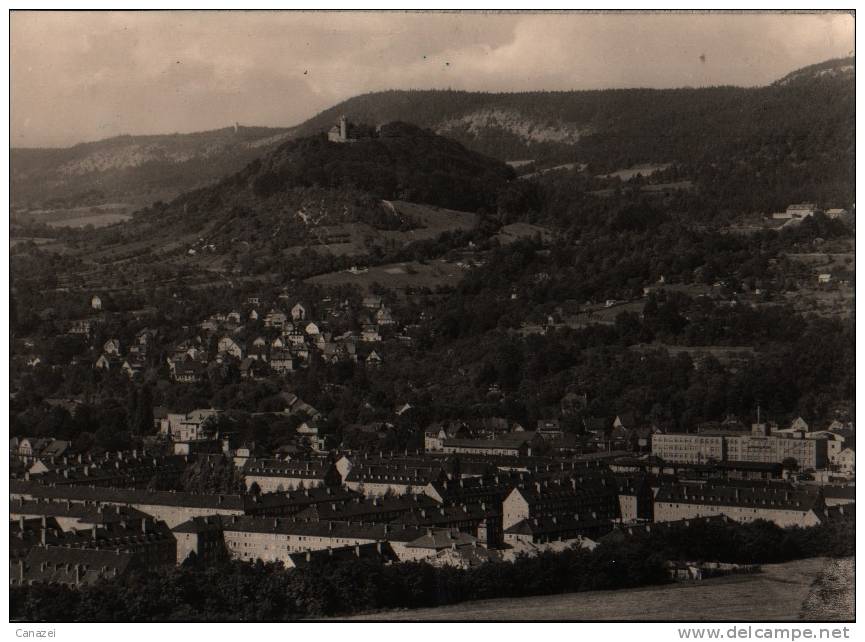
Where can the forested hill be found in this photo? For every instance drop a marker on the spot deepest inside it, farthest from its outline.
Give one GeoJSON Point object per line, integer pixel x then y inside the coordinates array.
{"type": "Point", "coordinates": [134, 168]}
{"type": "Point", "coordinates": [312, 182]}
{"type": "Point", "coordinates": [801, 125]}
{"type": "Point", "coordinates": [810, 111]}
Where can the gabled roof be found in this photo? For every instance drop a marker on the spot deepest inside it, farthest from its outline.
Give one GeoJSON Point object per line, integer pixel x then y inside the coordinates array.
{"type": "Point", "coordinates": [440, 539]}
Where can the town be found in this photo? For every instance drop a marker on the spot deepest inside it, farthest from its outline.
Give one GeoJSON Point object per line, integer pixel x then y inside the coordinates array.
{"type": "Point", "coordinates": [585, 352]}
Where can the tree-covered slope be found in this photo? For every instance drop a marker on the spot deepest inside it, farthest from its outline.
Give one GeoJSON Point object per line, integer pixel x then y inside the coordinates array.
{"type": "Point", "coordinates": [134, 168]}
{"type": "Point", "coordinates": [311, 182]}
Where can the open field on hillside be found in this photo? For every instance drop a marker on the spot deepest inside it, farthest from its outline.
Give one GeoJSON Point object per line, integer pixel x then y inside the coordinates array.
{"type": "Point", "coordinates": [516, 231]}
{"type": "Point", "coordinates": [96, 220]}
{"type": "Point", "coordinates": [396, 275]}
{"type": "Point", "coordinates": [779, 592]}
{"type": "Point", "coordinates": [29, 239]}
{"type": "Point", "coordinates": [351, 239]}
{"type": "Point", "coordinates": [646, 169]}
{"type": "Point", "coordinates": [96, 215]}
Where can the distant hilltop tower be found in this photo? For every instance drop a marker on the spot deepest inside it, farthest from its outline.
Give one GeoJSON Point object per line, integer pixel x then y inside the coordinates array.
{"type": "Point", "coordinates": [339, 133]}
{"type": "Point", "coordinates": [236, 126]}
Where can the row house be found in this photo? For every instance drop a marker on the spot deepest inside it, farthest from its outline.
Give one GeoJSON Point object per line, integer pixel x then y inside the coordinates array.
{"type": "Point", "coordinates": [176, 507]}
{"type": "Point", "coordinates": [779, 503]}
{"type": "Point", "coordinates": [70, 566]}
{"type": "Point", "coordinates": [595, 495]}
{"type": "Point", "coordinates": [275, 475]}
{"type": "Point", "coordinates": [274, 539]}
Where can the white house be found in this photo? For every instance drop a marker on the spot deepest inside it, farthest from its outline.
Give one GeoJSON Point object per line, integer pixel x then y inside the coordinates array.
{"type": "Point", "coordinates": [298, 312]}
{"type": "Point", "coordinates": [227, 345]}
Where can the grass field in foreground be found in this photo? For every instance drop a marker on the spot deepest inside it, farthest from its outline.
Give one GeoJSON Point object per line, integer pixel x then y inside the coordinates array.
{"type": "Point", "coordinates": [778, 593]}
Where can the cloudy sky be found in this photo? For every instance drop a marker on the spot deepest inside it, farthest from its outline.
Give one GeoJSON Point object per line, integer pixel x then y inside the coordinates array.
{"type": "Point", "coordinates": [87, 76]}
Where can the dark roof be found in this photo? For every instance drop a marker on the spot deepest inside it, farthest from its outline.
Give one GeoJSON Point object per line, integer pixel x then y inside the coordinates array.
{"type": "Point", "coordinates": [373, 551]}
{"type": "Point", "coordinates": [513, 440]}
{"type": "Point", "coordinates": [71, 566]}
{"type": "Point", "coordinates": [85, 513]}
{"type": "Point", "coordinates": [373, 509]}
{"type": "Point", "coordinates": [560, 524]}
{"type": "Point", "coordinates": [227, 502]}
{"type": "Point", "coordinates": [768, 496]}
{"type": "Point", "coordinates": [306, 469]}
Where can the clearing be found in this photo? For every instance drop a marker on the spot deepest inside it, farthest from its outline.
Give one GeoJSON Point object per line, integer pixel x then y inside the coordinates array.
{"type": "Point", "coordinates": [789, 591]}
{"type": "Point", "coordinates": [515, 231]}
{"type": "Point", "coordinates": [646, 169]}
{"type": "Point", "coordinates": [397, 276]}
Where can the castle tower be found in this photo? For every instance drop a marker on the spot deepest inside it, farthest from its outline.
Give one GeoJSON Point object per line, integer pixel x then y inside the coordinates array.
{"type": "Point", "coordinates": [343, 128]}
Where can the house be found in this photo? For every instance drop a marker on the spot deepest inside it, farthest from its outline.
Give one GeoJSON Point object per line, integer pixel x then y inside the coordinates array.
{"type": "Point", "coordinates": [281, 361]}
{"type": "Point", "coordinates": [189, 371]}
{"type": "Point", "coordinates": [108, 362]}
{"type": "Point", "coordinates": [824, 277]}
{"type": "Point", "coordinates": [233, 317]}
{"type": "Point", "coordinates": [590, 496]}
{"type": "Point", "coordinates": [549, 429]}
{"type": "Point", "coordinates": [72, 567]}
{"type": "Point", "coordinates": [370, 334]}
{"type": "Point", "coordinates": [436, 434]}
{"type": "Point", "coordinates": [372, 302]}
{"type": "Point", "coordinates": [846, 462]}
{"type": "Point", "coordinates": [132, 368]}
{"type": "Point", "coordinates": [515, 444]}
{"type": "Point", "coordinates": [81, 326]}
{"type": "Point", "coordinates": [625, 420]}
{"type": "Point", "coordinates": [298, 312]}
{"type": "Point", "coordinates": [177, 507]}
{"type": "Point", "coordinates": [312, 329]}
{"type": "Point", "coordinates": [799, 424]}
{"type": "Point", "coordinates": [229, 346]}
{"type": "Point", "coordinates": [253, 315]}
{"type": "Point", "coordinates": [275, 319]}
{"type": "Point", "coordinates": [274, 475]}
{"type": "Point", "coordinates": [307, 428]}
{"type": "Point", "coordinates": [295, 337]}
{"type": "Point", "coordinates": [374, 359]}
{"type": "Point", "coordinates": [251, 368]}
{"type": "Point", "coordinates": [782, 504]}
{"type": "Point", "coordinates": [111, 347]}
{"type": "Point", "coordinates": [802, 210]}
{"type": "Point", "coordinates": [191, 426]}
{"type": "Point", "coordinates": [384, 317]}
{"type": "Point", "coordinates": [837, 213]}
{"type": "Point", "coordinates": [96, 302]}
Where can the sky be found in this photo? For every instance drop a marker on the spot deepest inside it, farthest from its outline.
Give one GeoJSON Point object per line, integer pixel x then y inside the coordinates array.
{"type": "Point", "coordinates": [82, 76]}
